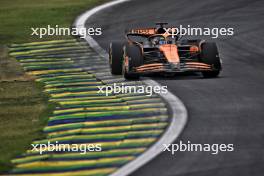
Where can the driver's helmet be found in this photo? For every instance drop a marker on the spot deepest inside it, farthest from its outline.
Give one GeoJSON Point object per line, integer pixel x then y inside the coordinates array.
{"type": "Point", "coordinates": [158, 40]}
{"type": "Point", "coordinates": [162, 41]}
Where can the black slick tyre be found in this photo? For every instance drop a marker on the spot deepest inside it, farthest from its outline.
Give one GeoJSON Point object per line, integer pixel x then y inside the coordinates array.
{"type": "Point", "coordinates": [134, 58]}
{"type": "Point", "coordinates": [210, 56]}
{"type": "Point", "coordinates": [116, 57]}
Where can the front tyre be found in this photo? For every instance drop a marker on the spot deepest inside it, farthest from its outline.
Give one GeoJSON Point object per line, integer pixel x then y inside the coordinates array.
{"type": "Point", "coordinates": [210, 56]}
{"type": "Point", "coordinates": [133, 58]}
{"type": "Point", "coordinates": [116, 57]}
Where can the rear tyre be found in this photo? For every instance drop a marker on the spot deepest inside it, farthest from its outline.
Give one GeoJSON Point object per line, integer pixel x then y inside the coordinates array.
{"type": "Point", "coordinates": [210, 56]}
{"type": "Point", "coordinates": [134, 58]}
{"type": "Point", "coordinates": [116, 57]}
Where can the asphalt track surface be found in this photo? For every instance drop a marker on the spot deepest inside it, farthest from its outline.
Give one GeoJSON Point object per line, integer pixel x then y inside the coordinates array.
{"type": "Point", "coordinates": [228, 109]}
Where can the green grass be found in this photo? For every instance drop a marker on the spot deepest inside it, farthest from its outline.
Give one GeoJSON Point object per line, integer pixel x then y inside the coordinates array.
{"type": "Point", "coordinates": [19, 16]}
{"type": "Point", "coordinates": [23, 115]}
{"type": "Point", "coordinates": [24, 108]}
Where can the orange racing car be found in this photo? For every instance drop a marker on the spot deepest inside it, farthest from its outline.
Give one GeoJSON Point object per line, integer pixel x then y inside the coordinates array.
{"type": "Point", "coordinates": [152, 50]}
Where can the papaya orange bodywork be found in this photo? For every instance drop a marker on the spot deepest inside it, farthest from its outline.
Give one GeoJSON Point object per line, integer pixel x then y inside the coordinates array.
{"type": "Point", "coordinates": [171, 53]}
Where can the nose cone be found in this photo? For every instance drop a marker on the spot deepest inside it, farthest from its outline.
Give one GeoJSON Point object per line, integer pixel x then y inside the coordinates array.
{"type": "Point", "coordinates": [170, 52]}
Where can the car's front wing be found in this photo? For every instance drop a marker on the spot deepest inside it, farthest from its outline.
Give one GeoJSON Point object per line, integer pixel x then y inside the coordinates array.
{"type": "Point", "coordinates": [170, 67]}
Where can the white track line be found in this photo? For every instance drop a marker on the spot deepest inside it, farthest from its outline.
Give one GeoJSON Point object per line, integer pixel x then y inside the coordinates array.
{"type": "Point", "coordinates": [177, 108]}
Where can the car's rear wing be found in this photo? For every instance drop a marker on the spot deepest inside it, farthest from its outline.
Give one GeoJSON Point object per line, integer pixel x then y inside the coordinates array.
{"type": "Point", "coordinates": [142, 31]}
{"type": "Point", "coordinates": [148, 31]}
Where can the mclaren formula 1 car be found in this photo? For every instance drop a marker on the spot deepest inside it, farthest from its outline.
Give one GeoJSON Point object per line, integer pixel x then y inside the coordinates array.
{"type": "Point", "coordinates": [152, 50]}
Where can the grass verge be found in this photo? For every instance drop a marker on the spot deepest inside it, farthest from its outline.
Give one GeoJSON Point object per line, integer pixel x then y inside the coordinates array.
{"type": "Point", "coordinates": [23, 110]}
{"type": "Point", "coordinates": [19, 16]}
